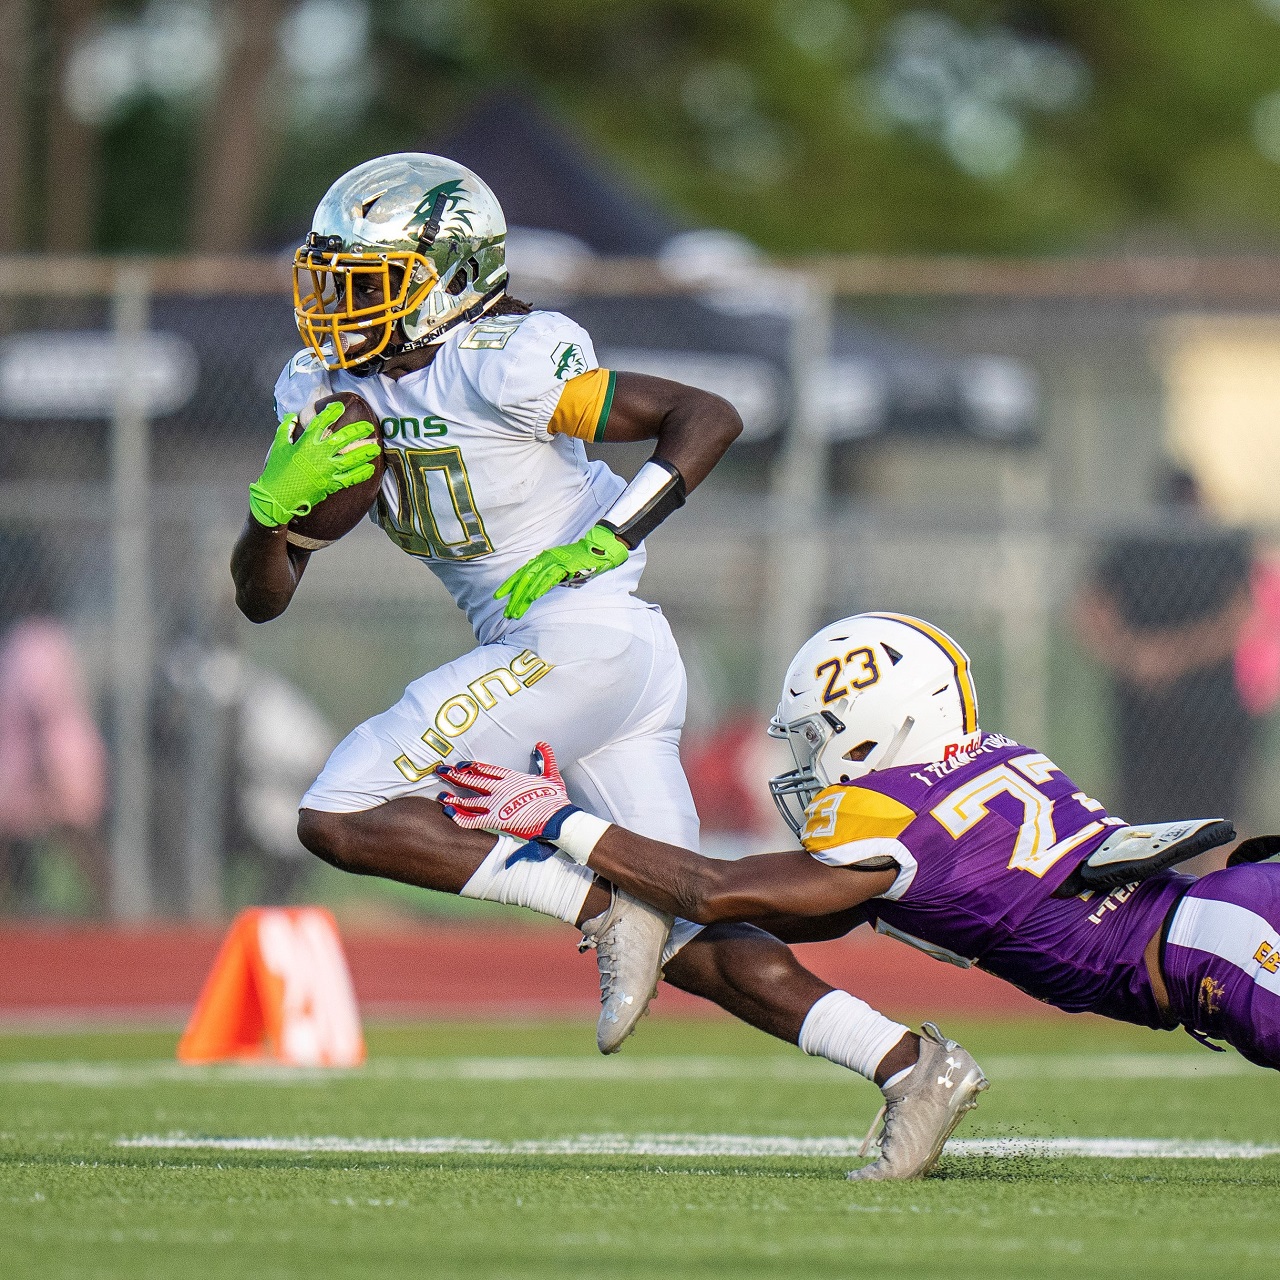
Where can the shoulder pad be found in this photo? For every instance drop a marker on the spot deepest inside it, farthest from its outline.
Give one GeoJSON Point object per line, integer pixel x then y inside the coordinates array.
{"type": "Point", "coordinates": [843, 814]}
{"type": "Point", "coordinates": [520, 364]}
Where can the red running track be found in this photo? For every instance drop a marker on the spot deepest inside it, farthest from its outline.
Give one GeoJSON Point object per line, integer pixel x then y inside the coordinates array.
{"type": "Point", "coordinates": [437, 971]}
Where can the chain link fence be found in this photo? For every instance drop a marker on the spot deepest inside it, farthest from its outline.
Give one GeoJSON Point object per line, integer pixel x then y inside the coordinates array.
{"type": "Point", "coordinates": [988, 446]}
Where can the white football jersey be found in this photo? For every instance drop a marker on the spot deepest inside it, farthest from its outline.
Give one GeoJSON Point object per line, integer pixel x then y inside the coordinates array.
{"type": "Point", "coordinates": [485, 460]}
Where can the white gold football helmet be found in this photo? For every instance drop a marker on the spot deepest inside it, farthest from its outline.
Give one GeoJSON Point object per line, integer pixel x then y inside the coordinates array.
{"type": "Point", "coordinates": [870, 692]}
{"type": "Point", "coordinates": [402, 248]}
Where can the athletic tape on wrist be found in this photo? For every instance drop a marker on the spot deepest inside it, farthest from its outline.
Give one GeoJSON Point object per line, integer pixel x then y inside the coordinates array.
{"type": "Point", "coordinates": [579, 835]}
{"type": "Point", "coordinates": [551, 828]}
{"type": "Point", "coordinates": [656, 491]}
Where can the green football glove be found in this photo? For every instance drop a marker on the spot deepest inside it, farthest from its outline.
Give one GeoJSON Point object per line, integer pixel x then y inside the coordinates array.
{"type": "Point", "coordinates": [598, 552]}
{"type": "Point", "coordinates": [299, 475]}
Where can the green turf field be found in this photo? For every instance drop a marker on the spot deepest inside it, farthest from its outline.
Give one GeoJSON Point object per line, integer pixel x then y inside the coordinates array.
{"type": "Point", "coordinates": [75, 1202]}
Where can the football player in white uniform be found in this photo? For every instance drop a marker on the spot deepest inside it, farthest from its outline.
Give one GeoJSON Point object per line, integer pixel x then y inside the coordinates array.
{"type": "Point", "coordinates": [484, 407]}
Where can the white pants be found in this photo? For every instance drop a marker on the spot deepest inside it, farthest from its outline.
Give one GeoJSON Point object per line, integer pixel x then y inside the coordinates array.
{"type": "Point", "coordinates": [605, 687]}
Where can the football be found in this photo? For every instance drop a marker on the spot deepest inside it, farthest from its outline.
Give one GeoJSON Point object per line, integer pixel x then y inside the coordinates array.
{"type": "Point", "coordinates": [340, 512]}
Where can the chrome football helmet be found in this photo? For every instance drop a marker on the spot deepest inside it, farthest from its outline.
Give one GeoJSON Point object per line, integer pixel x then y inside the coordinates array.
{"type": "Point", "coordinates": [870, 692]}
{"type": "Point", "coordinates": [401, 249]}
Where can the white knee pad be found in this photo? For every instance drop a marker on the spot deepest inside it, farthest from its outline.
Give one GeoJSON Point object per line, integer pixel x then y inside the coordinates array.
{"type": "Point", "coordinates": [554, 887]}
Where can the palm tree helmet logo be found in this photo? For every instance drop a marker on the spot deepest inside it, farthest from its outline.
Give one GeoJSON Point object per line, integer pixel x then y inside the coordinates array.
{"type": "Point", "coordinates": [451, 195]}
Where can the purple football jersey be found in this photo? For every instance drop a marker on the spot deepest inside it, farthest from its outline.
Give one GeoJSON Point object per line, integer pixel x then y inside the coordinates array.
{"type": "Point", "coordinates": [982, 841]}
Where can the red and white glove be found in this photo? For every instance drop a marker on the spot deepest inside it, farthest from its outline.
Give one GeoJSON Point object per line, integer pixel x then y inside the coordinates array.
{"type": "Point", "coordinates": [529, 806]}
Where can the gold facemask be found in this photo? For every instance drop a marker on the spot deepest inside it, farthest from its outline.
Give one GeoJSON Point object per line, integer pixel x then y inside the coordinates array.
{"type": "Point", "coordinates": [324, 298]}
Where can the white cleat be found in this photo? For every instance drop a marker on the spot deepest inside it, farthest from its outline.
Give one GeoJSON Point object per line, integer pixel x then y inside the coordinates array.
{"type": "Point", "coordinates": [628, 939]}
{"type": "Point", "coordinates": [921, 1111]}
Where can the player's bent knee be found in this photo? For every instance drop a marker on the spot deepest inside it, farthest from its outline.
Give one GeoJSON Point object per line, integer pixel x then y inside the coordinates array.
{"type": "Point", "coordinates": [747, 949]}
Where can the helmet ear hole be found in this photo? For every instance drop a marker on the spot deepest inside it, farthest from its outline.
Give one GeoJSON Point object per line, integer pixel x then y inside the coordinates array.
{"type": "Point", "coordinates": [861, 751]}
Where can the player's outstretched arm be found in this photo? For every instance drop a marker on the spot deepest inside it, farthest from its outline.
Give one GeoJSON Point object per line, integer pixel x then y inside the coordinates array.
{"type": "Point", "coordinates": [693, 428]}
{"type": "Point", "coordinates": [536, 807]}
{"type": "Point", "coordinates": [712, 891]}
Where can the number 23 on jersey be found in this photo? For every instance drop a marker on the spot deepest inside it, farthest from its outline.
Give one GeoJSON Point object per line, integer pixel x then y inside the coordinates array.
{"type": "Point", "coordinates": [1037, 847]}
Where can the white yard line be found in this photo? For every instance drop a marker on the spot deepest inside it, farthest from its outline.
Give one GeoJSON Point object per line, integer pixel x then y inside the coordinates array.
{"type": "Point", "coordinates": [1030, 1066]}
{"type": "Point", "coordinates": [713, 1144]}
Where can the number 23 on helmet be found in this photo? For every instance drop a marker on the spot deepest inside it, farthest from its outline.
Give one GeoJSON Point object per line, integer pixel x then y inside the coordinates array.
{"type": "Point", "coordinates": [870, 692]}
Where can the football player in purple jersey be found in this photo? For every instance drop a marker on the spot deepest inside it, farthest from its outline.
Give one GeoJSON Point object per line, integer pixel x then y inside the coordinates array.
{"type": "Point", "coordinates": [970, 846]}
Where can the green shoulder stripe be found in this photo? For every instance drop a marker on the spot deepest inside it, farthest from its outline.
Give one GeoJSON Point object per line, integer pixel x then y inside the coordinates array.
{"type": "Point", "coordinates": [603, 420]}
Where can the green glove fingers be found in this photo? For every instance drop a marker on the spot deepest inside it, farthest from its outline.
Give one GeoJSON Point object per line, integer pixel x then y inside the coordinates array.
{"type": "Point", "coordinates": [349, 434]}
{"type": "Point", "coordinates": [355, 475]}
{"type": "Point", "coordinates": [355, 465]}
{"type": "Point", "coordinates": [531, 583]}
{"type": "Point", "coordinates": [598, 552]}
{"type": "Point", "coordinates": [324, 420]}
{"type": "Point", "coordinates": [301, 473]}
{"type": "Point", "coordinates": [284, 431]}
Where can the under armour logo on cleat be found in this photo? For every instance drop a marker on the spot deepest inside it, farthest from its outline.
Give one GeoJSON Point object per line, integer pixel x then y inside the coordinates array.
{"type": "Point", "coordinates": [945, 1080]}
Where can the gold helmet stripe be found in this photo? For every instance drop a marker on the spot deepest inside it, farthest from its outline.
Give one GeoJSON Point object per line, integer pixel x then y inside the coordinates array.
{"type": "Point", "coordinates": [959, 660]}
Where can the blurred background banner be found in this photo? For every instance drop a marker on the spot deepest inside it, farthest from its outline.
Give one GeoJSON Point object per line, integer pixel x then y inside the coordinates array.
{"type": "Point", "coordinates": [1001, 317]}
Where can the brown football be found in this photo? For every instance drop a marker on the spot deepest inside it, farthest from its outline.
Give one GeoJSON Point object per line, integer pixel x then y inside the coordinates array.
{"type": "Point", "coordinates": [340, 512]}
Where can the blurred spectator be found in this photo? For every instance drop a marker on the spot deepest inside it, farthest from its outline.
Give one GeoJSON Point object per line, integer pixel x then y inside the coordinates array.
{"type": "Point", "coordinates": [259, 742]}
{"type": "Point", "coordinates": [1165, 613]}
{"type": "Point", "coordinates": [1258, 650]}
{"type": "Point", "coordinates": [282, 743]}
{"type": "Point", "coordinates": [53, 764]}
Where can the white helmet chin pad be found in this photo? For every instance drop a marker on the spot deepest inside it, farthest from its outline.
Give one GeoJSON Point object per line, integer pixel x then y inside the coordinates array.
{"type": "Point", "coordinates": [874, 691]}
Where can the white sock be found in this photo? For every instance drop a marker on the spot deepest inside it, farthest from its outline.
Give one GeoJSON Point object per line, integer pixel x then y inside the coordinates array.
{"type": "Point", "coordinates": [849, 1032]}
{"type": "Point", "coordinates": [555, 887]}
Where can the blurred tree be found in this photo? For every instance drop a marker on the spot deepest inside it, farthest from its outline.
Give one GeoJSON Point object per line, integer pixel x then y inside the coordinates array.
{"type": "Point", "coordinates": [13, 123]}
{"type": "Point", "coordinates": [843, 125]}
{"type": "Point", "coordinates": [71, 159]}
{"type": "Point", "coordinates": [237, 141]}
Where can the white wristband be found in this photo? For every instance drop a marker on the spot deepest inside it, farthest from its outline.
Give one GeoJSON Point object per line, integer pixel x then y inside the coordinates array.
{"type": "Point", "coordinates": [580, 834]}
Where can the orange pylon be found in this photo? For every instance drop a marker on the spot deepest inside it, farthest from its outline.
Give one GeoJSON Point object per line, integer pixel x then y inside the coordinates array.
{"type": "Point", "coordinates": [279, 991]}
